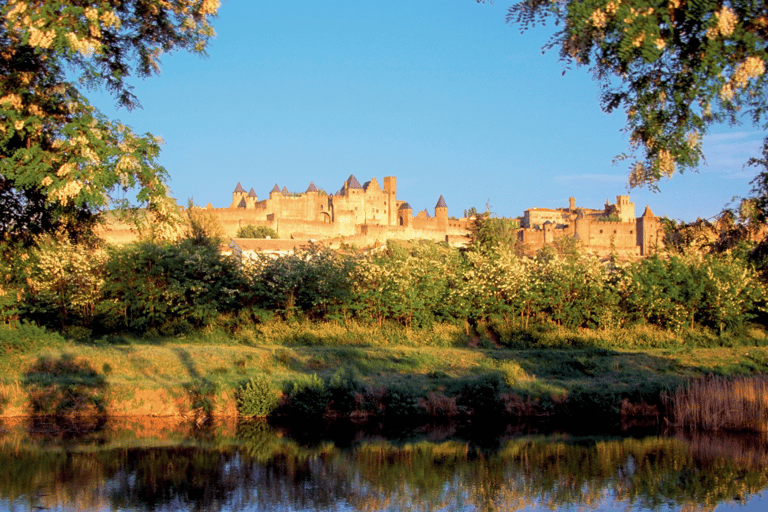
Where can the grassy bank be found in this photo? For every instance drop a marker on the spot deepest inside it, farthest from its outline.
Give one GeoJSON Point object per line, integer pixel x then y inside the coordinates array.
{"type": "Point", "coordinates": [318, 370]}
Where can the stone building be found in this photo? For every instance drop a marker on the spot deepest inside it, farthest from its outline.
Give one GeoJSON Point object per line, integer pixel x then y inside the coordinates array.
{"type": "Point", "coordinates": [614, 230]}
{"type": "Point", "coordinates": [361, 214]}
{"type": "Point", "coordinates": [370, 214]}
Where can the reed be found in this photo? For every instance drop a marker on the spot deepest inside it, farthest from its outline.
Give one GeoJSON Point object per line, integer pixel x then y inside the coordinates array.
{"type": "Point", "coordinates": [719, 403]}
{"type": "Point", "coordinates": [439, 405]}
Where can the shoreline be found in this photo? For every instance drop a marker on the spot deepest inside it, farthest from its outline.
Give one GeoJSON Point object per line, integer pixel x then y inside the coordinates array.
{"type": "Point", "coordinates": [196, 381]}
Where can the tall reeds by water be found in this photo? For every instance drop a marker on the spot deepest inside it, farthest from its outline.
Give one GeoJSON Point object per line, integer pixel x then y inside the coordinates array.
{"type": "Point", "coordinates": [719, 403]}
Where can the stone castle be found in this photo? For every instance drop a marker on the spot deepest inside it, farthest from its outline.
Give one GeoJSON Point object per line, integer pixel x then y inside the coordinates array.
{"type": "Point", "coordinates": [358, 214]}
{"type": "Point", "coordinates": [614, 230]}
{"type": "Point", "coordinates": [369, 214]}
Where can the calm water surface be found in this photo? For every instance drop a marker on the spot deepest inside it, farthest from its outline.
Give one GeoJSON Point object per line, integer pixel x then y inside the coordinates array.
{"type": "Point", "coordinates": [161, 465]}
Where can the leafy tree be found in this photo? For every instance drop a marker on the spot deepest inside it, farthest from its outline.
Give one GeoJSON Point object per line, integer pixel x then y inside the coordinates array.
{"type": "Point", "coordinates": [760, 186]}
{"type": "Point", "coordinates": [472, 212]}
{"type": "Point", "coordinates": [62, 282]}
{"type": "Point", "coordinates": [315, 281]}
{"type": "Point", "coordinates": [168, 286]}
{"type": "Point", "coordinates": [488, 232]}
{"type": "Point", "coordinates": [61, 160]}
{"type": "Point", "coordinates": [201, 228]}
{"type": "Point", "coordinates": [251, 231]}
{"type": "Point", "coordinates": [407, 283]}
{"type": "Point", "coordinates": [675, 67]}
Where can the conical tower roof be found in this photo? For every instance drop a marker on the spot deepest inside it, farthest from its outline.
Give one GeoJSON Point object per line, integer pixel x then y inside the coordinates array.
{"type": "Point", "coordinates": [405, 206]}
{"type": "Point", "coordinates": [275, 189]}
{"type": "Point", "coordinates": [312, 187]}
{"type": "Point", "coordinates": [352, 182]}
{"type": "Point", "coordinates": [252, 193]}
{"type": "Point", "coordinates": [239, 188]}
{"type": "Point", "coordinates": [648, 212]}
{"type": "Point", "coordinates": [242, 204]}
{"type": "Point", "coordinates": [285, 191]}
{"type": "Point", "coordinates": [441, 203]}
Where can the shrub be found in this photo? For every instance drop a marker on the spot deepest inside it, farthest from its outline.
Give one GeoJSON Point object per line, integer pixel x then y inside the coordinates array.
{"type": "Point", "coordinates": [20, 337]}
{"type": "Point", "coordinates": [251, 231]}
{"type": "Point", "coordinates": [256, 397]}
{"type": "Point", "coordinates": [400, 401]}
{"type": "Point", "coordinates": [315, 282]}
{"type": "Point", "coordinates": [437, 404]}
{"type": "Point", "coordinates": [482, 395]}
{"type": "Point", "coordinates": [512, 372]}
{"type": "Point", "coordinates": [63, 283]}
{"type": "Point", "coordinates": [343, 388]}
{"type": "Point", "coordinates": [309, 397]}
{"type": "Point", "coordinates": [587, 404]}
{"type": "Point", "coordinates": [170, 288]}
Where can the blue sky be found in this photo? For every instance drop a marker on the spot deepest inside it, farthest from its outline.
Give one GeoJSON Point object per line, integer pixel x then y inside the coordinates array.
{"type": "Point", "coordinates": [442, 94]}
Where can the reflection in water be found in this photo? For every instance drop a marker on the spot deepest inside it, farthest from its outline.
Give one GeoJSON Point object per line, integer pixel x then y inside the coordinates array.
{"type": "Point", "coordinates": [156, 465]}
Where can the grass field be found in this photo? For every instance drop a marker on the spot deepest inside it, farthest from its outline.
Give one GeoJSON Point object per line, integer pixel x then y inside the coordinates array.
{"type": "Point", "coordinates": [173, 376]}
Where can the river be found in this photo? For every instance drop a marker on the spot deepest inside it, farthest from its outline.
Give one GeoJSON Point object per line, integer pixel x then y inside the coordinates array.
{"type": "Point", "coordinates": [156, 464]}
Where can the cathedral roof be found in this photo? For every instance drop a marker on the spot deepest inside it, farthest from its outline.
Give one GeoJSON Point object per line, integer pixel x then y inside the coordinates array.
{"type": "Point", "coordinates": [275, 189]}
{"type": "Point", "coordinates": [352, 182]}
{"type": "Point", "coordinates": [239, 188]}
{"type": "Point", "coordinates": [405, 206]}
{"type": "Point", "coordinates": [312, 187]}
{"type": "Point", "coordinates": [252, 193]}
{"type": "Point", "coordinates": [241, 204]}
{"type": "Point", "coordinates": [441, 203]}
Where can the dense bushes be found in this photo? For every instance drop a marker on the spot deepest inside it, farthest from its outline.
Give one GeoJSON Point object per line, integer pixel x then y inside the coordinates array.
{"type": "Point", "coordinates": [166, 289]}
{"type": "Point", "coordinates": [251, 231]}
{"type": "Point", "coordinates": [151, 286]}
{"type": "Point", "coordinates": [256, 397]}
{"type": "Point", "coordinates": [313, 282]}
{"type": "Point", "coordinates": [159, 288]}
{"type": "Point", "coordinates": [23, 336]}
{"type": "Point", "coordinates": [718, 292]}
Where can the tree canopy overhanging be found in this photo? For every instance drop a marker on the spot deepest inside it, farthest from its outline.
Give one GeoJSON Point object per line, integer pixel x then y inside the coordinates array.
{"type": "Point", "coordinates": [61, 160]}
{"type": "Point", "coordinates": [675, 67]}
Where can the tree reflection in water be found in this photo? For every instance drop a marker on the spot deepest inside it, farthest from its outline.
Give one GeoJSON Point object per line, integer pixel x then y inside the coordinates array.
{"type": "Point", "coordinates": [253, 466]}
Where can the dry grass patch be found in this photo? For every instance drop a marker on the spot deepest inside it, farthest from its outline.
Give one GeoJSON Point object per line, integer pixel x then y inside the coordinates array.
{"type": "Point", "coordinates": [719, 403]}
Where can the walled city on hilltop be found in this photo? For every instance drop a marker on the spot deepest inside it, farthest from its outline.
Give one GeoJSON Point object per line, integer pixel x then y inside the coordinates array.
{"type": "Point", "coordinates": [369, 214]}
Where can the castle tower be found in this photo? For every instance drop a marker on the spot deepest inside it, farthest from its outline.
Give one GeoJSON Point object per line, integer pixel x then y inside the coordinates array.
{"type": "Point", "coordinates": [441, 213]}
{"type": "Point", "coordinates": [626, 210]}
{"type": "Point", "coordinates": [313, 206]}
{"type": "Point", "coordinates": [571, 204]}
{"type": "Point", "coordinates": [648, 232]}
{"type": "Point", "coordinates": [274, 192]}
{"type": "Point", "coordinates": [238, 195]}
{"type": "Point", "coordinates": [251, 199]}
{"type": "Point", "coordinates": [351, 185]}
{"type": "Point", "coordinates": [405, 215]}
{"type": "Point", "coordinates": [549, 232]}
{"type": "Point", "coordinates": [581, 228]}
{"type": "Point", "coordinates": [390, 189]}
